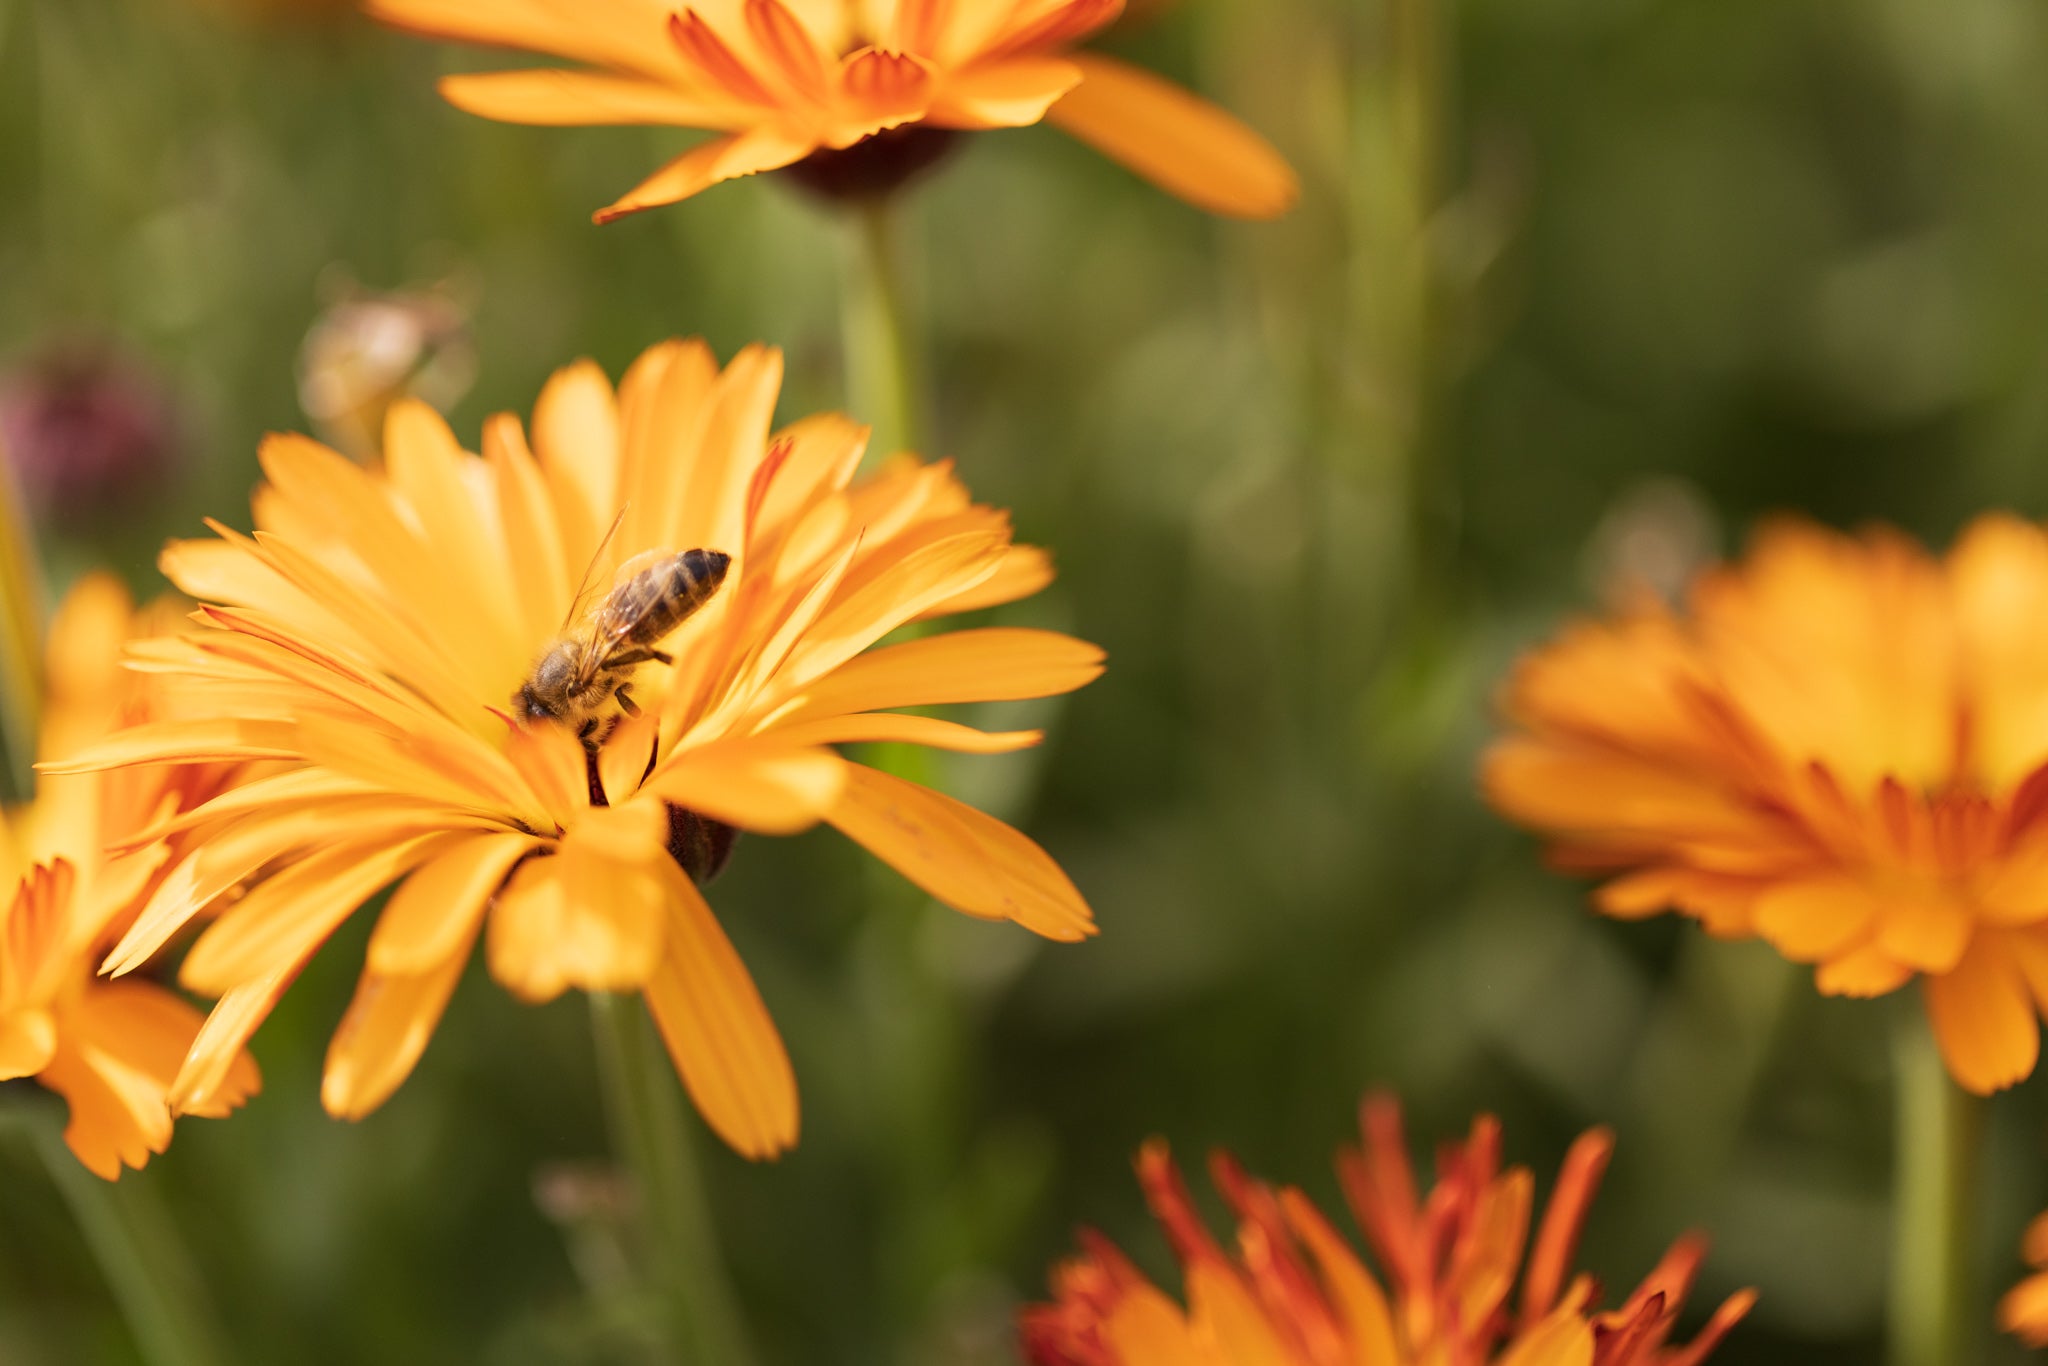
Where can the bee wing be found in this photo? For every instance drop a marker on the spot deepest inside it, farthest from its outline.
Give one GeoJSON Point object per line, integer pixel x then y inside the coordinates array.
{"type": "Point", "coordinates": [578, 603]}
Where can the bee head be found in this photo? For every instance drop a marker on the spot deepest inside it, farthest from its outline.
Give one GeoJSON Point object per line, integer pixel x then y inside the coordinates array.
{"type": "Point", "coordinates": [530, 705]}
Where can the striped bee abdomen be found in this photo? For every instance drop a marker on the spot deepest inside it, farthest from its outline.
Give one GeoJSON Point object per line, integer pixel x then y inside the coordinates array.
{"type": "Point", "coordinates": [662, 596]}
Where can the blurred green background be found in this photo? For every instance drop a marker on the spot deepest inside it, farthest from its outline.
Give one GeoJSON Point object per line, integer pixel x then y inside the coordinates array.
{"type": "Point", "coordinates": [1577, 288]}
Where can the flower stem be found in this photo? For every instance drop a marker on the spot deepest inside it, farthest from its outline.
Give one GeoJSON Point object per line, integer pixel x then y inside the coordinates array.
{"type": "Point", "coordinates": [698, 1314]}
{"type": "Point", "coordinates": [1933, 1310]}
{"type": "Point", "coordinates": [874, 329]}
{"type": "Point", "coordinates": [137, 1249]}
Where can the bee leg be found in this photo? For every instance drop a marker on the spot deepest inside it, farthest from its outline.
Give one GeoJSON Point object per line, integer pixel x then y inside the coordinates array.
{"type": "Point", "coordinates": [663, 655]}
{"type": "Point", "coordinates": [625, 697]}
{"type": "Point", "coordinates": [585, 731]}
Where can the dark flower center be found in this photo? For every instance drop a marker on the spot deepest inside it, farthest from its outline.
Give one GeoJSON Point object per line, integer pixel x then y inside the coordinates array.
{"type": "Point", "coordinates": [877, 165]}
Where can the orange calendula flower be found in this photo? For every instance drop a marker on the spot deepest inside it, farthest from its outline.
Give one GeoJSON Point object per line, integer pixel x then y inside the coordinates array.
{"type": "Point", "coordinates": [549, 769]}
{"type": "Point", "coordinates": [1839, 745]}
{"type": "Point", "coordinates": [111, 1049]}
{"type": "Point", "coordinates": [1293, 1293]}
{"type": "Point", "coordinates": [2024, 1310]}
{"type": "Point", "coordinates": [857, 91]}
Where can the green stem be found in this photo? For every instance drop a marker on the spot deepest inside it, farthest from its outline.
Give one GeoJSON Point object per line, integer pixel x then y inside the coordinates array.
{"type": "Point", "coordinates": [699, 1315]}
{"type": "Point", "coordinates": [1933, 1310]}
{"type": "Point", "coordinates": [138, 1251]}
{"type": "Point", "coordinates": [874, 332]}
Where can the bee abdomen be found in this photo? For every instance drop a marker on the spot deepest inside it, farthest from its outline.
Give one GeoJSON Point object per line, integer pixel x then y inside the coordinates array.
{"type": "Point", "coordinates": [674, 589]}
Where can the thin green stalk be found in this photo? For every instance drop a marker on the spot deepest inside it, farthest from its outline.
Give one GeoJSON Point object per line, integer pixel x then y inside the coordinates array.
{"type": "Point", "coordinates": [699, 1315]}
{"type": "Point", "coordinates": [874, 327]}
{"type": "Point", "coordinates": [137, 1249]}
{"type": "Point", "coordinates": [1933, 1311]}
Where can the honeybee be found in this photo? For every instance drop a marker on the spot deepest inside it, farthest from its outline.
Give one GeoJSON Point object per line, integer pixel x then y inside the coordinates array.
{"type": "Point", "coordinates": [592, 663]}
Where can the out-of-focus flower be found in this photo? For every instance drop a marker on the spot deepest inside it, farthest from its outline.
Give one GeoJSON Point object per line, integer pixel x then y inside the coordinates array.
{"type": "Point", "coordinates": [1293, 1293]}
{"type": "Point", "coordinates": [384, 625]}
{"type": "Point", "coordinates": [1838, 746]}
{"type": "Point", "coordinates": [76, 866]}
{"type": "Point", "coordinates": [781, 81]}
{"type": "Point", "coordinates": [88, 429]}
{"type": "Point", "coordinates": [2024, 1310]}
{"type": "Point", "coordinates": [370, 350]}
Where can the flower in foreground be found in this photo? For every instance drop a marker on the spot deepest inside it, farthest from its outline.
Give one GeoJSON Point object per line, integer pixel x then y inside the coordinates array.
{"type": "Point", "coordinates": [110, 1049]}
{"type": "Point", "coordinates": [1840, 745]}
{"type": "Point", "coordinates": [2024, 1310]}
{"type": "Point", "coordinates": [1293, 1293]}
{"type": "Point", "coordinates": [371, 636]}
{"type": "Point", "coordinates": [783, 82]}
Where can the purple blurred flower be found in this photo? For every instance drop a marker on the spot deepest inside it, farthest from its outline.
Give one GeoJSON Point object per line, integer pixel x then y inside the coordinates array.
{"type": "Point", "coordinates": [87, 428]}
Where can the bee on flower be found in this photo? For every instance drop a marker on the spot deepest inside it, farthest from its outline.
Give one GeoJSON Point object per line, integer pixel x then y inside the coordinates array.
{"type": "Point", "coordinates": [853, 95]}
{"type": "Point", "coordinates": [1295, 1294]}
{"type": "Point", "coordinates": [77, 866]}
{"type": "Point", "coordinates": [393, 639]}
{"type": "Point", "coordinates": [1838, 744]}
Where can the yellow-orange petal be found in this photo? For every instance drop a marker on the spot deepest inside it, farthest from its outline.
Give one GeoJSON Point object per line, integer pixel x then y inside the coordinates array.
{"type": "Point", "coordinates": [1178, 141]}
{"type": "Point", "coordinates": [1929, 933]}
{"type": "Point", "coordinates": [719, 1034]}
{"type": "Point", "coordinates": [1808, 919]}
{"type": "Point", "coordinates": [591, 916]}
{"type": "Point", "coordinates": [965, 858]}
{"type": "Point", "coordinates": [765, 148]}
{"type": "Point", "coordinates": [897, 727]}
{"type": "Point", "coordinates": [2023, 1311]}
{"type": "Point", "coordinates": [385, 1030]}
{"type": "Point", "coordinates": [1003, 94]}
{"type": "Point", "coordinates": [1562, 1339]}
{"type": "Point", "coordinates": [28, 1039]}
{"type": "Point", "coordinates": [292, 913]}
{"type": "Point", "coordinates": [117, 1114]}
{"type": "Point", "coordinates": [995, 664]}
{"type": "Point", "coordinates": [764, 785]}
{"type": "Point", "coordinates": [1862, 973]}
{"type": "Point", "coordinates": [1984, 1020]}
{"type": "Point", "coordinates": [440, 906]}
{"type": "Point", "coordinates": [1023, 571]}
{"type": "Point", "coordinates": [563, 97]}
{"type": "Point", "coordinates": [211, 1064]}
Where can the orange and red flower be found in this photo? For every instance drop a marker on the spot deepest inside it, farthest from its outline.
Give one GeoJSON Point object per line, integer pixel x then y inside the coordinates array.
{"type": "Point", "coordinates": [1293, 1293]}
{"type": "Point", "coordinates": [783, 81]}
{"type": "Point", "coordinates": [1840, 745]}
{"type": "Point", "coordinates": [76, 866]}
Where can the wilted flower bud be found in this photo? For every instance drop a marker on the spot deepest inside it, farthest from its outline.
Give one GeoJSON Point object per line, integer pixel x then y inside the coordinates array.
{"type": "Point", "coordinates": [87, 429]}
{"type": "Point", "coordinates": [370, 350]}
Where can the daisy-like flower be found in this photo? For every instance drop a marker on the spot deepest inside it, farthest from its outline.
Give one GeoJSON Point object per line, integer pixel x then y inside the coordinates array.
{"type": "Point", "coordinates": [1293, 1293]}
{"type": "Point", "coordinates": [372, 636]}
{"type": "Point", "coordinates": [111, 1049]}
{"type": "Point", "coordinates": [1838, 744]}
{"type": "Point", "coordinates": [854, 91]}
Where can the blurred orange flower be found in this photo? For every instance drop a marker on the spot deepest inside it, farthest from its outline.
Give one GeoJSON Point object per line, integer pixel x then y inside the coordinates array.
{"type": "Point", "coordinates": [1294, 1293]}
{"type": "Point", "coordinates": [110, 1049]}
{"type": "Point", "coordinates": [373, 634]}
{"type": "Point", "coordinates": [2024, 1310]}
{"type": "Point", "coordinates": [1841, 746]}
{"type": "Point", "coordinates": [783, 81]}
